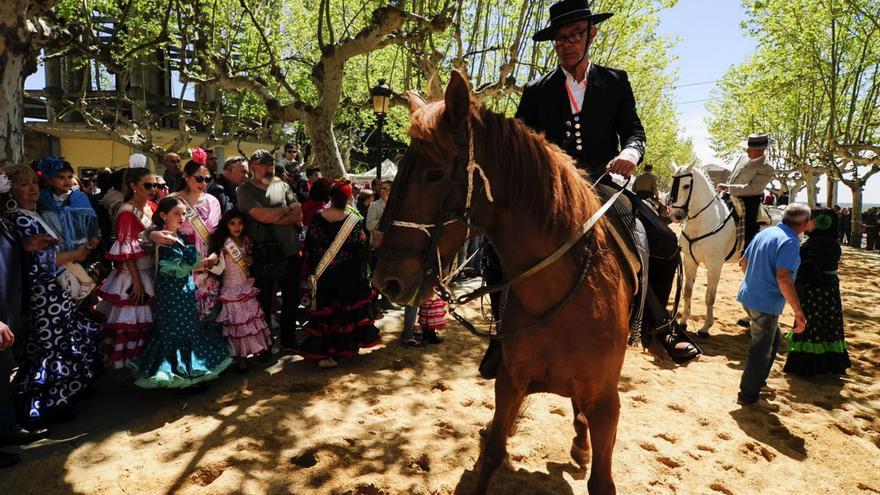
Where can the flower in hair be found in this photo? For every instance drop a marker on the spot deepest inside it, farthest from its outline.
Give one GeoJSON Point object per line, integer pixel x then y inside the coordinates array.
{"type": "Point", "coordinates": [199, 156]}
{"type": "Point", "coordinates": [343, 186]}
{"type": "Point", "coordinates": [50, 166]}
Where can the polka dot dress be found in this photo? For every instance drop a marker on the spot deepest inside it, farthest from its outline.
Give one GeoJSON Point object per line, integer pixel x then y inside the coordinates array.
{"type": "Point", "coordinates": [181, 352]}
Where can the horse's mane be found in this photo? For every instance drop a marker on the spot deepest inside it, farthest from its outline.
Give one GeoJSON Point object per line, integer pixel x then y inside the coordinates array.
{"type": "Point", "coordinates": [541, 179]}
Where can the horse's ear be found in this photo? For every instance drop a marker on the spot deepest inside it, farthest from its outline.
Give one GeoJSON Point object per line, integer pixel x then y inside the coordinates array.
{"type": "Point", "coordinates": [415, 101]}
{"type": "Point", "coordinates": [690, 167]}
{"type": "Point", "coordinates": [458, 99]}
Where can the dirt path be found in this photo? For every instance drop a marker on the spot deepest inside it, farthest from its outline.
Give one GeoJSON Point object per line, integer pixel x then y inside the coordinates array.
{"type": "Point", "coordinates": [407, 421]}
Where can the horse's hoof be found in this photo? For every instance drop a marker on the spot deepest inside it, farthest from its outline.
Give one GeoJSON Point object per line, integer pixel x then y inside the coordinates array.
{"type": "Point", "coordinates": [580, 456]}
{"type": "Point", "coordinates": [703, 334]}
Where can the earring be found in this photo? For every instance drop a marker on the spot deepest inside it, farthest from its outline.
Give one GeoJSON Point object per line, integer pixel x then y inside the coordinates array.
{"type": "Point", "coordinates": [11, 204]}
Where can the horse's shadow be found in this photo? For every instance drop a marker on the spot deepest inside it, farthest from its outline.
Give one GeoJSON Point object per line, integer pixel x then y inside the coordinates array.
{"type": "Point", "coordinates": [522, 481]}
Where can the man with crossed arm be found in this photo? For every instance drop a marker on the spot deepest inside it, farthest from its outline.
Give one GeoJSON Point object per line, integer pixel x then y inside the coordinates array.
{"type": "Point", "coordinates": [274, 212]}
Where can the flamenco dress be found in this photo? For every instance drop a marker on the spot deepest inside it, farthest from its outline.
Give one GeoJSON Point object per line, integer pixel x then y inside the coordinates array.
{"type": "Point", "coordinates": [432, 315]}
{"type": "Point", "coordinates": [207, 284]}
{"type": "Point", "coordinates": [345, 313]}
{"type": "Point", "coordinates": [180, 353]}
{"type": "Point", "coordinates": [244, 323]}
{"type": "Point", "coordinates": [821, 348]}
{"type": "Point", "coordinates": [61, 356]}
{"type": "Point", "coordinates": [127, 323]}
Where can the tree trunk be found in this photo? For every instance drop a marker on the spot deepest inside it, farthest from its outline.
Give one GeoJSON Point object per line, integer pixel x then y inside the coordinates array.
{"type": "Point", "coordinates": [17, 60]}
{"type": "Point", "coordinates": [855, 232]}
{"type": "Point", "coordinates": [12, 68]}
{"type": "Point", "coordinates": [810, 179]}
{"type": "Point", "coordinates": [325, 149]}
{"type": "Point", "coordinates": [830, 191]}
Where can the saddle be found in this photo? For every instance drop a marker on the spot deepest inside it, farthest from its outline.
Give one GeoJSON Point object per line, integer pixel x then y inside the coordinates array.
{"type": "Point", "coordinates": [640, 234]}
{"type": "Point", "coordinates": [737, 208]}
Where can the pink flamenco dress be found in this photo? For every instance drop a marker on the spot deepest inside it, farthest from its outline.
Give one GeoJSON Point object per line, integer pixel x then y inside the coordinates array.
{"type": "Point", "coordinates": [207, 284]}
{"type": "Point", "coordinates": [244, 322]}
{"type": "Point", "coordinates": [127, 323]}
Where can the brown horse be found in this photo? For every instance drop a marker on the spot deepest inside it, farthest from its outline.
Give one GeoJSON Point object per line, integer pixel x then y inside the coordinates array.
{"type": "Point", "coordinates": [469, 168]}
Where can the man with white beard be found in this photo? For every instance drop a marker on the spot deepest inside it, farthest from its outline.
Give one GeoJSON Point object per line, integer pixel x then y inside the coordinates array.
{"type": "Point", "coordinates": [273, 210]}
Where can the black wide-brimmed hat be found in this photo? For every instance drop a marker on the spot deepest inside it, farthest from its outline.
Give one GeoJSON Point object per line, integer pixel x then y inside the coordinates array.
{"type": "Point", "coordinates": [566, 12]}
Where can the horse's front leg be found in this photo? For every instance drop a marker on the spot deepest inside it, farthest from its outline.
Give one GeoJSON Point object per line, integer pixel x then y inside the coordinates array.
{"type": "Point", "coordinates": [508, 399]}
{"type": "Point", "coordinates": [690, 275]}
{"type": "Point", "coordinates": [712, 277]}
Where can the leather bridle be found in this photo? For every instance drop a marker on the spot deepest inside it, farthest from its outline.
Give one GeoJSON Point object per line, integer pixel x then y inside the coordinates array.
{"type": "Point", "coordinates": [673, 196]}
{"type": "Point", "coordinates": [464, 175]}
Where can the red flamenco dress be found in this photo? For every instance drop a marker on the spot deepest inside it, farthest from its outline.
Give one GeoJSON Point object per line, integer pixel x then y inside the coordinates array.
{"type": "Point", "coordinates": [127, 322]}
{"type": "Point", "coordinates": [344, 318]}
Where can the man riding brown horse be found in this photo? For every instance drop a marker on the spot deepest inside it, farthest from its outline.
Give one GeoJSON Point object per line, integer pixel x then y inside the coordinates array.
{"type": "Point", "coordinates": [589, 111]}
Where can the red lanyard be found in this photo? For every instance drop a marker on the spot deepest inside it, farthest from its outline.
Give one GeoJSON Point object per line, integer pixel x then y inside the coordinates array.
{"type": "Point", "coordinates": [574, 104]}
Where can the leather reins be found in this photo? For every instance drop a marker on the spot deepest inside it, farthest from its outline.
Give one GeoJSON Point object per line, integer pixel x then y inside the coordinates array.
{"type": "Point", "coordinates": [431, 260]}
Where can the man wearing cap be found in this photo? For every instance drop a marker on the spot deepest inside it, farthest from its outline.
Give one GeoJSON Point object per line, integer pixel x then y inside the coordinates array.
{"type": "Point", "coordinates": [274, 213]}
{"type": "Point", "coordinates": [290, 158]}
{"type": "Point", "coordinates": [747, 181]}
{"type": "Point", "coordinates": [590, 112]}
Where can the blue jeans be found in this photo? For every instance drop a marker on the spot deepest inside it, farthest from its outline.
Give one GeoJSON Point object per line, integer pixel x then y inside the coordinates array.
{"type": "Point", "coordinates": [409, 322]}
{"type": "Point", "coordinates": [765, 337]}
{"type": "Point", "coordinates": [470, 246]}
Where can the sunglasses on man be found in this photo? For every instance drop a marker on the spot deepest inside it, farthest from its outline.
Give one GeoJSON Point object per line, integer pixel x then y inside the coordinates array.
{"type": "Point", "coordinates": [149, 186]}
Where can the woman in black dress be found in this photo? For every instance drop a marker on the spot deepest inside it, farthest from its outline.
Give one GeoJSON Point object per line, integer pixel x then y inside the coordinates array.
{"type": "Point", "coordinates": [343, 317]}
{"type": "Point", "coordinates": [821, 348]}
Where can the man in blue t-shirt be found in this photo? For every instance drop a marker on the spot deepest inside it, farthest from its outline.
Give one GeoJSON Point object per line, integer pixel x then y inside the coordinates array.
{"type": "Point", "coordinates": [770, 264]}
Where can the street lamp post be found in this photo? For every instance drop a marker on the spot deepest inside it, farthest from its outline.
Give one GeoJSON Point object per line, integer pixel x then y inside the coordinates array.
{"type": "Point", "coordinates": [381, 94]}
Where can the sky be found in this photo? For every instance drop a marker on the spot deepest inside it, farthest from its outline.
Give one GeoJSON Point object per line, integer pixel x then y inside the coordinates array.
{"type": "Point", "coordinates": [710, 41]}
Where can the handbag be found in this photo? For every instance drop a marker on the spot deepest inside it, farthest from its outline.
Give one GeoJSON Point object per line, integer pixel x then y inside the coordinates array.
{"type": "Point", "coordinates": [72, 277]}
{"type": "Point", "coordinates": [75, 280]}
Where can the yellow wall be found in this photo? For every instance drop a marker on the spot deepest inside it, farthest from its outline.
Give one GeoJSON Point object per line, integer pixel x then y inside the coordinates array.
{"type": "Point", "coordinates": [100, 153]}
{"type": "Point", "coordinates": [96, 153]}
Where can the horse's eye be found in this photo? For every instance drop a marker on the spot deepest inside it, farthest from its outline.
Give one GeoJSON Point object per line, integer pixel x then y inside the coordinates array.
{"type": "Point", "coordinates": [433, 175]}
{"type": "Point", "coordinates": [687, 186]}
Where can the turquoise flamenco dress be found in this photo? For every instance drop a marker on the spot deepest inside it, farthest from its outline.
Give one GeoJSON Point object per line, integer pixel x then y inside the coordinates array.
{"type": "Point", "coordinates": [181, 352]}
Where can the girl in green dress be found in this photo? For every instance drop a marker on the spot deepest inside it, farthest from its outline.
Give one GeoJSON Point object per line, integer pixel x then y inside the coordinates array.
{"type": "Point", "coordinates": [180, 352]}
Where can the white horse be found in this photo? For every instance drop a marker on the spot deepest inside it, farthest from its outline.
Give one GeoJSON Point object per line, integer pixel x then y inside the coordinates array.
{"type": "Point", "coordinates": [708, 235]}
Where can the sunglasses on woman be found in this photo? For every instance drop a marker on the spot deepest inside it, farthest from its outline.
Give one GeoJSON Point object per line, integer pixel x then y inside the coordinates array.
{"type": "Point", "coordinates": [200, 178]}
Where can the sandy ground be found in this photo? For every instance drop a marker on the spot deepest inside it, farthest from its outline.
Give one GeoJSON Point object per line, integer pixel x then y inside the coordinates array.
{"type": "Point", "coordinates": [397, 420]}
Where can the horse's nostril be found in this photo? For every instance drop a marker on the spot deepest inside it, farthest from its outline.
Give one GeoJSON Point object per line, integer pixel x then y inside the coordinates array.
{"type": "Point", "coordinates": [392, 288]}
